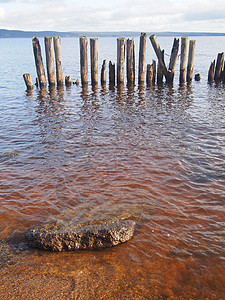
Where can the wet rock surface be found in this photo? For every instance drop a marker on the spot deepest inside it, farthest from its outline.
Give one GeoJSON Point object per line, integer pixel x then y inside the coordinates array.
{"type": "Point", "coordinates": [66, 237]}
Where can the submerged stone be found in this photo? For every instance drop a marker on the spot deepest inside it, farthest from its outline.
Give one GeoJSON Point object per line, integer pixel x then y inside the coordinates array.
{"type": "Point", "coordinates": [90, 237]}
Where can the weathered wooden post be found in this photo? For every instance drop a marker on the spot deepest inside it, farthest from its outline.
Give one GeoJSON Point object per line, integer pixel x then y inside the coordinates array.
{"type": "Point", "coordinates": [50, 61]}
{"type": "Point", "coordinates": [68, 81]}
{"type": "Point", "coordinates": [190, 64]}
{"type": "Point", "coordinates": [112, 74]}
{"type": "Point", "coordinates": [39, 62]}
{"type": "Point", "coordinates": [83, 60]}
{"type": "Point", "coordinates": [160, 71]}
{"type": "Point", "coordinates": [223, 77]}
{"type": "Point", "coordinates": [58, 60]}
{"type": "Point", "coordinates": [28, 81]}
{"type": "Point", "coordinates": [173, 60]}
{"type": "Point", "coordinates": [149, 74]}
{"type": "Point", "coordinates": [120, 60]}
{"type": "Point", "coordinates": [154, 71]}
{"type": "Point", "coordinates": [159, 53]}
{"type": "Point", "coordinates": [211, 71]}
{"type": "Point", "coordinates": [159, 74]}
{"type": "Point", "coordinates": [103, 73]}
{"type": "Point", "coordinates": [183, 58]}
{"type": "Point", "coordinates": [134, 61]}
{"type": "Point", "coordinates": [197, 77]}
{"type": "Point", "coordinates": [94, 61]}
{"type": "Point", "coordinates": [219, 67]}
{"type": "Point", "coordinates": [141, 64]}
{"type": "Point", "coordinates": [130, 62]}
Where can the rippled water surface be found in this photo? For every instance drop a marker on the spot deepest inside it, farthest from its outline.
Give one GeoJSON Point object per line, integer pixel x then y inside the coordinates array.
{"type": "Point", "coordinates": [155, 155]}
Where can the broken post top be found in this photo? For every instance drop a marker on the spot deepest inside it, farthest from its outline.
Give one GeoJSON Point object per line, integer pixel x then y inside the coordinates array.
{"type": "Point", "coordinates": [35, 39]}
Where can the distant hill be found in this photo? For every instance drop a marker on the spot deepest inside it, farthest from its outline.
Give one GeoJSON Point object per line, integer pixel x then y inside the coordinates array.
{"type": "Point", "coordinates": [4, 33]}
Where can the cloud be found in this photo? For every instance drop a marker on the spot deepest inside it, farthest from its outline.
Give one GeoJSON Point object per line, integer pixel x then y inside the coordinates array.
{"type": "Point", "coordinates": [204, 16]}
{"type": "Point", "coordinates": [99, 15]}
{"type": "Point", "coordinates": [2, 13]}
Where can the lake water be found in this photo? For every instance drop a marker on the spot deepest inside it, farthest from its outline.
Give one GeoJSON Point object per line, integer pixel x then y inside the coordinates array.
{"type": "Point", "coordinates": [154, 155]}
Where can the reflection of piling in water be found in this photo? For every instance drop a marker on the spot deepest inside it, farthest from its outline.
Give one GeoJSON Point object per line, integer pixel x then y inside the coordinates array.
{"type": "Point", "coordinates": [39, 62]}
{"type": "Point", "coordinates": [120, 60]}
{"type": "Point", "coordinates": [50, 61]}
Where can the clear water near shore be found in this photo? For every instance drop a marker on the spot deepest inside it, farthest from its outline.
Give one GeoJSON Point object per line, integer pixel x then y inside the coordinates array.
{"type": "Point", "coordinates": [155, 155]}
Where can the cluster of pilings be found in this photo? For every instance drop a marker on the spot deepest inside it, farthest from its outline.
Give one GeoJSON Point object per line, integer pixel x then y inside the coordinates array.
{"type": "Point", "coordinates": [150, 75]}
{"type": "Point", "coordinates": [154, 72]}
{"type": "Point", "coordinates": [50, 55]}
{"type": "Point", "coordinates": [217, 69]}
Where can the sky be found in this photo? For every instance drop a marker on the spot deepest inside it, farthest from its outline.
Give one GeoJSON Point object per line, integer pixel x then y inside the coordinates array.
{"type": "Point", "coordinates": [113, 15]}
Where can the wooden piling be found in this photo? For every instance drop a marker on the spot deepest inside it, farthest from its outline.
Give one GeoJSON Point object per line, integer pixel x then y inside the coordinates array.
{"type": "Point", "coordinates": [159, 74]}
{"type": "Point", "coordinates": [103, 73]}
{"type": "Point", "coordinates": [219, 67]}
{"type": "Point", "coordinates": [112, 73]}
{"type": "Point", "coordinates": [149, 74]}
{"type": "Point", "coordinates": [159, 53]}
{"type": "Point", "coordinates": [130, 62]}
{"type": "Point", "coordinates": [211, 71]}
{"type": "Point", "coordinates": [160, 70]}
{"type": "Point", "coordinates": [141, 64]}
{"type": "Point", "coordinates": [223, 76]}
{"type": "Point", "coordinates": [58, 60]}
{"type": "Point", "coordinates": [154, 71]}
{"type": "Point", "coordinates": [83, 60]}
{"type": "Point", "coordinates": [190, 64]}
{"type": "Point", "coordinates": [94, 61]}
{"type": "Point", "coordinates": [197, 77]}
{"type": "Point", "coordinates": [183, 58]}
{"type": "Point", "coordinates": [134, 61]}
{"type": "Point", "coordinates": [50, 61]}
{"type": "Point", "coordinates": [28, 81]}
{"type": "Point", "coordinates": [68, 81]}
{"type": "Point", "coordinates": [120, 60]}
{"type": "Point", "coordinates": [39, 62]}
{"type": "Point", "coordinates": [173, 60]}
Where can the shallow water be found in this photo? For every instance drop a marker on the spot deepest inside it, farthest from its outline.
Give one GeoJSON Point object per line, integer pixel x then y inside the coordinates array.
{"type": "Point", "coordinates": [155, 155]}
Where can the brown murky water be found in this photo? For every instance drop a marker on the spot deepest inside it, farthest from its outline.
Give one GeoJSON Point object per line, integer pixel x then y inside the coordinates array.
{"type": "Point", "coordinates": [156, 156]}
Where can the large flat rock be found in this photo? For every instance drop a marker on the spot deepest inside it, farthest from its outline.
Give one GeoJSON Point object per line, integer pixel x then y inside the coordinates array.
{"type": "Point", "coordinates": [90, 237]}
